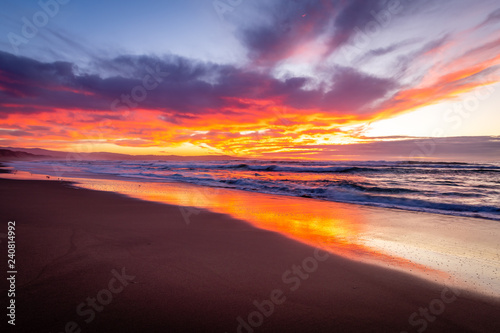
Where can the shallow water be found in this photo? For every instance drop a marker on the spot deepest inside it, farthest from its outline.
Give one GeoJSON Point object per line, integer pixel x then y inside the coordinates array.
{"type": "Point", "coordinates": [460, 189]}
{"type": "Point", "coordinates": [455, 251]}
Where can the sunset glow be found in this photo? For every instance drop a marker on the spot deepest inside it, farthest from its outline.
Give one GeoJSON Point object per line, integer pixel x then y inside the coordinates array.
{"type": "Point", "coordinates": [321, 76]}
{"type": "Point", "coordinates": [250, 165]}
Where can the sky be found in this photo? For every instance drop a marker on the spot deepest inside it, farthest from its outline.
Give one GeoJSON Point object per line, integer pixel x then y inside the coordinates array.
{"type": "Point", "coordinates": [323, 79]}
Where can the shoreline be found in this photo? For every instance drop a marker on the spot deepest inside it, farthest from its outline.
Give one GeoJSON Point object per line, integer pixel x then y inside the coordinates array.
{"type": "Point", "coordinates": [439, 248]}
{"type": "Point", "coordinates": [416, 209]}
{"type": "Point", "coordinates": [72, 242]}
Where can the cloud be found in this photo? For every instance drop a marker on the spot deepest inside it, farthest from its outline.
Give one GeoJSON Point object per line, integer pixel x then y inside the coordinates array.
{"type": "Point", "coordinates": [134, 143]}
{"type": "Point", "coordinates": [480, 148]}
{"type": "Point", "coordinates": [294, 91]}
{"type": "Point", "coordinates": [492, 18]}
{"type": "Point", "coordinates": [292, 26]}
{"type": "Point", "coordinates": [15, 133]}
{"type": "Point", "coordinates": [353, 90]}
{"type": "Point", "coordinates": [382, 51]}
{"type": "Point", "coordinates": [187, 88]}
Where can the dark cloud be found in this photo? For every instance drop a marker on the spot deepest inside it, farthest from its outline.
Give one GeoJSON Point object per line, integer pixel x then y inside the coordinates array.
{"type": "Point", "coordinates": [187, 88]}
{"type": "Point", "coordinates": [350, 93]}
{"type": "Point", "coordinates": [405, 62]}
{"type": "Point", "coordinates": [352, 90]}
{"type": "Point", "coordinates": [353, 17]}
{"type": "Point", "coordinates": [15, 133]}
{"type": "Point", "coordinates": [38, 128]}
{"type": "Point", "coordinates": [292, 24]}
{"type": "Point", "coordinates": [381, 51]}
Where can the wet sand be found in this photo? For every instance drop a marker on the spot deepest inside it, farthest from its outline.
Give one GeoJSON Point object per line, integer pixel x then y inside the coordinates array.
{"type": "Point", "coordinates": [103, 262]}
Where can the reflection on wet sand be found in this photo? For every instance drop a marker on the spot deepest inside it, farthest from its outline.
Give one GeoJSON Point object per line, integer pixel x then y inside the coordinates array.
{"type": "Point", "coordinates": [340, 228]}
{"type": "Point", "coordinates": [452, 250]}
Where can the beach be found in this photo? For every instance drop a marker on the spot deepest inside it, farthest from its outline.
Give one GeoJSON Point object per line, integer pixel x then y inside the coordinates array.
{"type": "Point", "coordinates": [250, 166]}
{"type": "Point", "coordinates": [95, 261]}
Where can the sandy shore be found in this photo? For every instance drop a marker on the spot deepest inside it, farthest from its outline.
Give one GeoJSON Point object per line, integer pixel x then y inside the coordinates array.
{"type": "Point", "coordinates": [93, 261]}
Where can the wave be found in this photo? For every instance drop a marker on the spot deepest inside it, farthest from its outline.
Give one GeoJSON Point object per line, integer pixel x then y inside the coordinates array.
{"type": "Point", "coordinates": [371, 196]}
{"type": "Point", "coordinates": [465, 189]}
{"type": "Point", "coordinates": [301, 167]}
{"type": "Point", "coordinates": [322, 167]}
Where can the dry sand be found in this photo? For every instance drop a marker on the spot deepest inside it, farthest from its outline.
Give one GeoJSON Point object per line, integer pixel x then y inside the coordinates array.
{"type": "Point", "coordinates": [73, 243]}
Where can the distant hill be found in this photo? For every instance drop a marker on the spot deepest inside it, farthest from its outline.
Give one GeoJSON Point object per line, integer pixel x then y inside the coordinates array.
{"type": "Point", "coordinates": [7, 154]}
{"type": "Point", "coordinates": [38, 153]}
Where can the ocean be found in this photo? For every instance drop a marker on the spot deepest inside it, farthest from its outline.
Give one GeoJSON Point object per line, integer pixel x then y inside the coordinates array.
{"type": "Point", "coordinates": [461, 189]}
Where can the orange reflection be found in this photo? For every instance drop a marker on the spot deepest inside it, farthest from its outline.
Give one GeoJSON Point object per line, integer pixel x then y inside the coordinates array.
{"type": "Point", "coordinates": [419, 244]}
{"type": "Point", "coordinates": [336, 227]}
